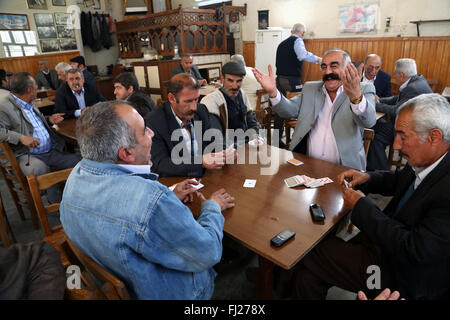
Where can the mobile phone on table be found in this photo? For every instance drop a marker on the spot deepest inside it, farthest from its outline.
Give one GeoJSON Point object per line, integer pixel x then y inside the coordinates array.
{"type": "Point", "coordinates": [316, 212]}
{"type": "Point", "coordinates": [281, 238]}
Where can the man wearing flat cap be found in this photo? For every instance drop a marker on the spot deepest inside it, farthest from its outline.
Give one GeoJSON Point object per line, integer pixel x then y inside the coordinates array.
{"type": "Point", "coordinates": [228, 105]}
{"type": "Point", "coordinates": [79, 63]}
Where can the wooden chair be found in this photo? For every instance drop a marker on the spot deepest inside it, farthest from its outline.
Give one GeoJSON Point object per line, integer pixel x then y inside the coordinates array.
{"type": "Point", "coordinates": [291, 122]}
{"type": "Point", "coordinates": [264, 113]}
{"type": "Point", "coordinates": [6, 233]}
{"type": "Point", "coordinates": [53, 235]}
{"type": "Point", "coordinates": [368, 135]}
{"type": "Point", "coordinates": [111, 287]}
{"type": "Point", "coordinates": [16, 182]}
{"type": "Point", "coordinates": [434, 84]}
{"type": "Point", "coordinates": [394, 162]}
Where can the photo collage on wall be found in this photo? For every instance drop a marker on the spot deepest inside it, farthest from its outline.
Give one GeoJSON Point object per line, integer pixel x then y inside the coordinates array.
{"type": "Point", "coordinates": [54, 32]}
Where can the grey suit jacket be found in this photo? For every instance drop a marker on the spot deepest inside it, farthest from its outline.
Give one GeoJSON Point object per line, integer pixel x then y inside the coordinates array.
{"type": "Point", "coordinates": [417, 85]}
{"type": "Point", "coordinates": [347, 126]}
{"type": "Point", "coordinates": [41, 80]}
{"type": "Point", "coordinates": [15, 123]}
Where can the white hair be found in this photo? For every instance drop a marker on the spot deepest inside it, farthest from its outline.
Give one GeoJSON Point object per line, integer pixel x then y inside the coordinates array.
{"type": "Point", "coordinates": [429, 111]}
{"type": "Point", "coordinates": [347, 58]}
{"type": "Point", "coordinates": [298, 28]}
{"type": "Point", "coordinates": [63, 66]}
{"type": "Point", "coordinates": [238, 58]}
{"type": "Point", "coordinates": [406, 66]}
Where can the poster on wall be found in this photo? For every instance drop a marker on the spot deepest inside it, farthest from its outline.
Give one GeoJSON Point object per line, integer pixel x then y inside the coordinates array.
{"type": "Point", "coordinates": [9, 21]}
{"type": "Point", "coordinates": [49, 45]}
{"type": "Point", "coordinates": [37, 4]}
{"type": "Point", "coordinates": [263, 19]}
{"type": "Point", "coordinates": [358, 18]}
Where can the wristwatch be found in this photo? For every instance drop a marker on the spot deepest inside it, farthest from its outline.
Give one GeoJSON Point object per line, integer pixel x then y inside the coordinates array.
{"type": "Point", "coordinates": [357, 101]}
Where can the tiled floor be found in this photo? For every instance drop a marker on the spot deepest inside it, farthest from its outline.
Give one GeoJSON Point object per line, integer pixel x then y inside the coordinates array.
{"type": "Point", "coordinates": [231, 282]}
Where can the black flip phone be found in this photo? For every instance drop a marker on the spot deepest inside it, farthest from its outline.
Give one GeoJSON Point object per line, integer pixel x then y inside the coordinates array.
{"type": "Point", "coordinates": [282, 238]}
{"type": "Point", "coordinates": [316, 212]}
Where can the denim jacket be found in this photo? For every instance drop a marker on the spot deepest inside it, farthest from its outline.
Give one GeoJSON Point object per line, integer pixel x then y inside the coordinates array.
{"type": "Point", "coordinates": [141, 232]}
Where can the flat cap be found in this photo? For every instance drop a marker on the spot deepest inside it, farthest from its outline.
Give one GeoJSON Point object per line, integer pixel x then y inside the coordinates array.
{"type": "Point", "coordinates": [79, 60]}
{"type": "Point", "coordinates": [234, 68]}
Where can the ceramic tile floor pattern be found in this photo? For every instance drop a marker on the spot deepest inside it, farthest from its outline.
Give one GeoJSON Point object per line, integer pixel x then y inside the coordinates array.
{"type": "Point", "coordinates": [231, 282]}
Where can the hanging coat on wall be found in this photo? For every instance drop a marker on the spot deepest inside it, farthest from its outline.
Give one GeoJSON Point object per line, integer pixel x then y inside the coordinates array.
{"type": "Point", "coordinates": [96, 34]}
{"type": "Point", "coordinates": [105, 36]}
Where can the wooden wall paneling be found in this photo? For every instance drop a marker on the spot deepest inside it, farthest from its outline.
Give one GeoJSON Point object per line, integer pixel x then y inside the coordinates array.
{"type": "Point", "coordinates": [432, 54]}
{"type": "Point", "coordinates": [30, 63]}
{"type": "Point", "coordinates": [248, 52]}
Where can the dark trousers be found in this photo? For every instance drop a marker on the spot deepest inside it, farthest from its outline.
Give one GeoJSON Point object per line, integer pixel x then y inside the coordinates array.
{"type": "Point", "coordinates": [285, 83]}
{"type": "Point", "coordinates": [333, 262]}
{"type": "Point", "coordinates": [384, 136]}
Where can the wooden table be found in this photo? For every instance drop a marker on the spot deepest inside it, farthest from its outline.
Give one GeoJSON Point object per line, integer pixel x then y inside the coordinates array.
{"type": "Point", "coordinates": [206, 90]}
{"type": "Point", "coordinates": [380, 115]}
{"type": "Point", "coordinates": [66, 128]}
{"type": "Point", "coordinates": [45, 105]}
{"type": "Point", "coordinates": [269, 208]}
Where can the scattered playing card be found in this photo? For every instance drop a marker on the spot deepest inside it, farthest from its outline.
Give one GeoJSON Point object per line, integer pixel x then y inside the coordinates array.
{"type": "Point", "coordinates": [294, 181]}
{"type": "Point", "coordinates": [295, 162]}
{"type": "Point", "coordinates": [196, 186]}
{"type": "Point", "coordinates": [249, 183]}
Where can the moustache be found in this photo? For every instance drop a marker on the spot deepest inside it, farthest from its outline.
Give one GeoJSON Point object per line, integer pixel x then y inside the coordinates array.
{"type": "Point", "coordinates": [330, 76]}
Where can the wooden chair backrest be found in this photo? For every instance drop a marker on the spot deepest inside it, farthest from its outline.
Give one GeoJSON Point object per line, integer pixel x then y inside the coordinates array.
{"type": "Point", "coordinates": [16, 181]}
{"type": "Point", "coordinates": [367, 139]}
{"type": "Point", "coordinates": [43, 182]}
{"type": "Point", "coordinates": [434, 84]}
{"type": "Point", "coordinates": [290, 95]}
{"type": "Point", "coordinates": [112, 287]}
{"type": "Point", "coordinates": [261, 99]}
{"type": "Point", "coordinates": [4, 226]}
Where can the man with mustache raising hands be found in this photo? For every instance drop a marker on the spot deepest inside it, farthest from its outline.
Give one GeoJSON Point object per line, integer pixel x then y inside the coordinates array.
{"type": "Point", "coordinates": [75, 95]}
{"type": "Point", "coordinates": [331, 113]}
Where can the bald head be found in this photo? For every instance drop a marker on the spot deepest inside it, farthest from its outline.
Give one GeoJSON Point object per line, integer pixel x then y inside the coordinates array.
{"type": "Point", "coordinates": [372, 64]}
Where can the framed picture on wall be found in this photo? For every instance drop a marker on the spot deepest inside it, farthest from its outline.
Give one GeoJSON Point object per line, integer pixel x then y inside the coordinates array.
{"type": "Point", "coordinates": [10, 21]}
{"type": "Point", "coordinates": [59, 3]}
{"type": "Point", "coordinates": [37, 4]}
{"type": "Point", "coordinates": [62, 19]}
{"type": "Point", "coordinates": [49, 45]}
{"type": "Point", "coordinates": [65, 32]}
{"type": "Point", "coordinates": [43, 19]}
{"type": "Point", "coordinates": [93, 4]}
{"type": "Point", "coordinates": [263, 19]}
{"type": "Point", "coordinates": [46, 32]}
{"type": "Point", "coordinates": [67, 44]}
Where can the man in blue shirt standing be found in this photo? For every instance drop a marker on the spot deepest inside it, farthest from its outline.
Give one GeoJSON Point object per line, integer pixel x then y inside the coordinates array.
{"type": "Point", "coordinates": [289, 61]}
{"type": "Point", "coordinates": [35, 145]}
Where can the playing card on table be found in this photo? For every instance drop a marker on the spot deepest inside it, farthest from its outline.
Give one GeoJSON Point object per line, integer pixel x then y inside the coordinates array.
{"type": "Point", "coordinates": [295, 162]}
{"type": "Point", "coordinates": [294, 181]}
{"type": "Point", "coordinates": [249, 183]}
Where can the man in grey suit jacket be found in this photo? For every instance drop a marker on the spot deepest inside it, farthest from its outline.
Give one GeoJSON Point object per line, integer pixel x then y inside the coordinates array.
{"type": "Point", "coordinates": [24, 127]}
{"type": "Point", "coordinates": [411, 85]}
{"type": "Point", "coordinates": [47, 78]}
{"type": "Point", "coordinates": [331, 113]}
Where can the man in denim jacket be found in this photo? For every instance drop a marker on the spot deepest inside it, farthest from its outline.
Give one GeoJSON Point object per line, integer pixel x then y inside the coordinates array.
{"type": "Point", "coordinates": [115, 211]}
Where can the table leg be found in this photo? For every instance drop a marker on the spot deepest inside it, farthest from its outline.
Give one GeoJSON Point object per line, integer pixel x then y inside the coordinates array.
{"type": "Point", "coordinates": [265, 281]}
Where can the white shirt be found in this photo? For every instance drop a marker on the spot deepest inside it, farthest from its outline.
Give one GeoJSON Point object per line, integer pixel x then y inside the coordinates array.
{"type": "Point", "coordinates": [404, 85]}
{"type": "Point", "coordinates": [365, 80]}
{"type": "Point", "coordinates": [321, 140]}
{"type": "Point", "coordinates": [421, 172]}
{"type": "Point", "coordinates": [186, 135]}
